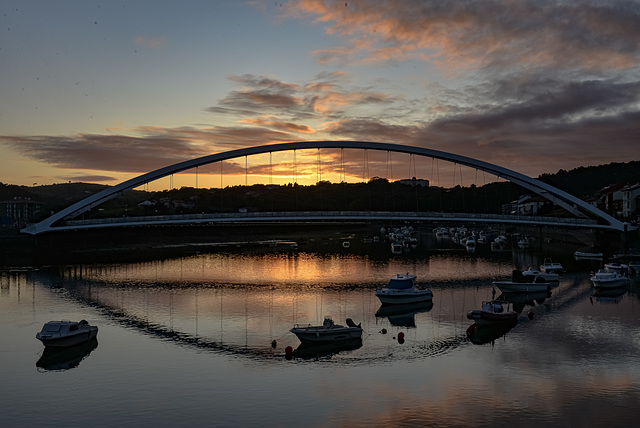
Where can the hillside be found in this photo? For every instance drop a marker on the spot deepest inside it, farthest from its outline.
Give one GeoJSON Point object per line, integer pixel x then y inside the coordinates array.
{"type": "Point", "coordinates": [377, 194]}
{"type": "Point", "coordinates": [585, 181]}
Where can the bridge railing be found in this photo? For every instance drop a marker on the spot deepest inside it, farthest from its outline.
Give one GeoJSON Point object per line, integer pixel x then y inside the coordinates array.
{"type": "Point", "coordinates": [326, 215]}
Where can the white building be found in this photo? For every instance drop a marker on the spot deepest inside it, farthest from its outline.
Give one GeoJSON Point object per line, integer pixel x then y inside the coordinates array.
{"type": "Point", "coordinates": [630, 197]}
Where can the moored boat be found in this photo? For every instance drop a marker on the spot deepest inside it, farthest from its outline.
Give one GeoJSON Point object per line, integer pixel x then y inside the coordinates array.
{"type": "Point", "coordinates": [401, 288]}
{"type": "Point", "coordinates": [616, 267]}
{"type": "Point", "coordinates": [523, 284]}
{"type": "Point", "coordinates": [493, 311]}
{"type": "Point", "coordinates": [549, 266]}
{"type": "Point", "coordinates": [328, 331]}
{"type": "Point", "coordinates": [66, 333]}
{"type": "Point", "coordinates": [604, 280]}
{"type": "Point", "coordinates": [587, 255]}
{"type": "Point", "coordinates": [549, 276]}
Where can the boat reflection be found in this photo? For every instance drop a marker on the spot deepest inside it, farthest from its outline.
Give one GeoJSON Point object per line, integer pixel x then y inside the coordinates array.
{"type": "Point", "coordinates": [403, 315]}
{"type": "Point", "coordinates": [479, 334]}
{"type": "Point", "coordinates": [611, 295]}
{"type": "Point", "coordinates": [59, 359]}
{"type": "Point", "coordinates": [323, 349]}
{"type": "Point", "coordinates": [520, 300]}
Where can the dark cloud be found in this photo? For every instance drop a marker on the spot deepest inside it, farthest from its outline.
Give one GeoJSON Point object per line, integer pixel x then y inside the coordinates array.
{"type": "Point", "coordinates": [494, 34]}
{"type": "Point", "coordinates": [88, 178]}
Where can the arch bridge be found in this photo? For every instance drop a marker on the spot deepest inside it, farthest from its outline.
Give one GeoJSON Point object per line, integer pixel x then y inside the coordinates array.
{"type": "Point", "coordinates": [585, 213]}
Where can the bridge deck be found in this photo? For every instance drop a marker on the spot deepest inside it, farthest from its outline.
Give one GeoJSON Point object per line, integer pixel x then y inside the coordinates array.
{"type": "Point", "coordinates": [324, 216]}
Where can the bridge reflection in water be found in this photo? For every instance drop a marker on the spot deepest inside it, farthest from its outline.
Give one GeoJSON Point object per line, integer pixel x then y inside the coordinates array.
{"type": "Point", "coordinates": [241, 304]}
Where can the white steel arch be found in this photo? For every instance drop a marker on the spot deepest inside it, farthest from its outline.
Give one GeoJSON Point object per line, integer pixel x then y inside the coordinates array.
{"type": "Point", "coordinates": [569, 202]}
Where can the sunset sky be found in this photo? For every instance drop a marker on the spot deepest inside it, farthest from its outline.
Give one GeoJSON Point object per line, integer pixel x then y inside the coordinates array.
{"type": "Point", "coordinates": [102, 91]}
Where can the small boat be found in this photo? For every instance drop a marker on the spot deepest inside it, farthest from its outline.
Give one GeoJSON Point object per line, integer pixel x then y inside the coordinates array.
{"type": "Point", "coordinates": [548, 266]}
{"type": "Point", "coordinates": [328, 331]}
{"type": "Point", "coordinates": [346, 244]}
{"type": "Point", "coordinates": [523, 284]}
{"type": "Point", "coordinates": [401, 288]}
{"type": "Point", "coordinates": [604, 280]}
{"type": "Point", "coordinates": [66, 333]}
{"type": "Point", "coordinates": [493, 311]}
{"type": "Point", "coordinates": [549, 276]}
{"type": "Point", "coordinates": [587, 255]}
{"type": "Point", "coordinates": [616, 267]}
{"type": "Point", "coordinates": [396, 248]}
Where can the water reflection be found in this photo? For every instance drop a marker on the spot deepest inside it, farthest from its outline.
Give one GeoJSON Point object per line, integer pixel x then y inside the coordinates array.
{"type": "Point", "coordinates": [319, 350]}
{"type": "Point", "coordinates": [174, 328]}
{"type": "Point", "coordinates": [520, 301]}
{"type": "Point", "coordinates": [610, 295]}
{"type": "Point", "coordinates": [60, 359]}
{"type": "Point", "coordinates": [480, 334]}
{"type": "Point", "coordinates": [403, 315]}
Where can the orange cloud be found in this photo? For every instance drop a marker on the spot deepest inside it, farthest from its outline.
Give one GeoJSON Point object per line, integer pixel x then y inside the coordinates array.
{"type": "Point", "coordinates": [455, 34]}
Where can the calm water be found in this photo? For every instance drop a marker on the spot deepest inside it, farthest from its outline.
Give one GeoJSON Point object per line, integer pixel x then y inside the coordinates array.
{"type": "Point", "coordinates": [188, 341]}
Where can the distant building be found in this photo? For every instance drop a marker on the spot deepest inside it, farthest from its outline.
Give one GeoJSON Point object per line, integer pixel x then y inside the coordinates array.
{"type": "Point", "coordinates": [609, 199]}
{"type": "Point", "coordinates": [630, 199]}
{"type": "Point", "coordinates": [414, 182]}
{"type": "Point", "coordinates": [19, 212]}
{"type": "Point", "coordinates": [525, 205]}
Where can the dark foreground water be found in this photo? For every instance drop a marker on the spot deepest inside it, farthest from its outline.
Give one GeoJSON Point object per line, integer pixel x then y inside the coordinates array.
{"type": "Point", "coordinates": [188, 342]}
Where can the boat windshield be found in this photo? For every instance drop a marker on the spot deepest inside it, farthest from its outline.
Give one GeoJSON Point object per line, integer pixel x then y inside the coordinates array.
{"type": "Point", "coordinates": [51, 328]}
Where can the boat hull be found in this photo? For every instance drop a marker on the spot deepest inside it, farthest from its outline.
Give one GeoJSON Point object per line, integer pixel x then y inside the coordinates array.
{"type": "Point", "coordinates": [389, 296]}
{"type": "Point", "coordinates": [320, 334]}
{"type": "Point", "coordinates": [68, 340]}
{"type": "Point", "coordinates": [522, 287]}
{"type": "Point", "coordinates": [488, 318]}
{"type": "Point", "coordinates": [606, 285]}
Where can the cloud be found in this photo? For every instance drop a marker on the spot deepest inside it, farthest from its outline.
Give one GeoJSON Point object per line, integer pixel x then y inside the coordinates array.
{"type": "Point", "coordinates": [88, 178]}
{"type": "Point", "coordinates": [149, 43]}
{"type": "Point", "coordinates": [587, 34]}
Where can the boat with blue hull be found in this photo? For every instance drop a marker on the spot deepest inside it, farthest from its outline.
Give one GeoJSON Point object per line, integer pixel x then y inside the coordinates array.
{"type": "Point", "coordinates": [401, 289]}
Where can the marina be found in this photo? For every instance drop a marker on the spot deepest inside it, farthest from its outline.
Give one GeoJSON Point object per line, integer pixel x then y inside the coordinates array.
{"type": "Point", "coordinates": [187, 331]}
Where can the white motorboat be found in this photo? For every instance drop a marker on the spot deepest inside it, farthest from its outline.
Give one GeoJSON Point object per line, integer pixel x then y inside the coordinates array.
{"type": "Point", "coordinates": [328, 331]}
{"type": "Point", "coordinates": [548, 266]}
{"type": "Point", "coordinates": [493, 311]}
{"type": "Point", "coordinates": [523, 284]}
{"type": "Point", "coordinates": [587, 255]}
{"type": "Point", "coordinates": [401, 288]}
{"type": "Point", "coordinates": [66, 333]}
{"type": "Point", "coordinates": [549, 276]}
{"type": "Point", "coordinates": [604, 280]}
{"type": "Point", "coordinates": [616, 267]}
